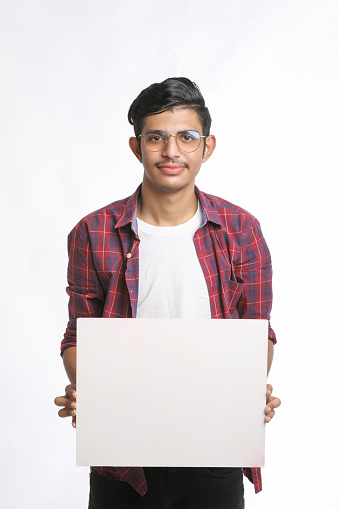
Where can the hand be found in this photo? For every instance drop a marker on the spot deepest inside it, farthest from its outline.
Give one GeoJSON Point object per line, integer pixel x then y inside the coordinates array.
{"type": "Point", "coordinates": [271, 403]}
{"type": "Point", "coordinates": [68, 402]}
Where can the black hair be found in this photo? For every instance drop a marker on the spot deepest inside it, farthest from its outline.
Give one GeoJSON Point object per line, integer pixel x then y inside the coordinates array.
{"type": "Point", "coordinates": [166, 95]}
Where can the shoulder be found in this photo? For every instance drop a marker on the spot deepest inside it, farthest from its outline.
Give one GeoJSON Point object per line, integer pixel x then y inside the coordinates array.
{"type": "Point", "coordinates": [228, 214]}
{"type": "Point", "coordinates": [102, 219]}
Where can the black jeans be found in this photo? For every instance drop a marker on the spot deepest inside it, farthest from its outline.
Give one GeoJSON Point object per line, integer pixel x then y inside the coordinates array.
{"type": "Point", "coordinates": [172, 488]}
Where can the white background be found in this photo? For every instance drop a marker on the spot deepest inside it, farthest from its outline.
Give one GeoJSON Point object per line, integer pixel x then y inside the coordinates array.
{"type": "Point", "coordinates": [269, 72]}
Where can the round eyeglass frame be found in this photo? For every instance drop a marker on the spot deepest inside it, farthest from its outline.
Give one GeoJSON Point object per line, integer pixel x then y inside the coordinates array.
{"type": "Point", "coordinates": [176, 139]}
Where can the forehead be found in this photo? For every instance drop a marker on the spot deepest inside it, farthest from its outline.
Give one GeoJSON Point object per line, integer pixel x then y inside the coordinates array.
{"type": "Point", "coordinates": [178, 119]}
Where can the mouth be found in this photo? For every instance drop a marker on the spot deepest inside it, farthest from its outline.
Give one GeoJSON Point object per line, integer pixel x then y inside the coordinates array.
{"type": "Point", "coordinates": [171, 169]}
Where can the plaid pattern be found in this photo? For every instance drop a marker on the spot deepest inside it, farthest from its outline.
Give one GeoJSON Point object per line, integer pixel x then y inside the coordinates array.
{"type": "Point", "coordinates": [103, 276]}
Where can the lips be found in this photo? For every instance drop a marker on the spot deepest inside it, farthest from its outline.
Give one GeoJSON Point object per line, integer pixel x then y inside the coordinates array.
{"type": "Point", "coordinates": [171, 169]}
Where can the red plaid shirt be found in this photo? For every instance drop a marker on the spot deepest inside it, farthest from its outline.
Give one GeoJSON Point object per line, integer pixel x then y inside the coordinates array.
{"type": "Point", "coordinates": [103, 276]}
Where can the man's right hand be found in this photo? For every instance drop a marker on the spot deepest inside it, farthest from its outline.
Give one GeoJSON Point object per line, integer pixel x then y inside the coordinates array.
{"type": "Point", "coordinates": [68, 402]}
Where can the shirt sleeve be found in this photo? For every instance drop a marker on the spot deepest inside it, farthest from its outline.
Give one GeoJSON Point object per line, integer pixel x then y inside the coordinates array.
{"type": "Point", "coordinates": [86, 296]}
{"type": "Point", "coordinates": [255, 269]}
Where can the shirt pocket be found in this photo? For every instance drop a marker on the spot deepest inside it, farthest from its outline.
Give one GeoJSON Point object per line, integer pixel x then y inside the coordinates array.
{"type": "Point", "coordinates": [231, 293]}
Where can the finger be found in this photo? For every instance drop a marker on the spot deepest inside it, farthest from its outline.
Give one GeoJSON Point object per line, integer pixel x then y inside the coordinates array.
{"type": "Point", "coordinates": [270, 416]}
{"type": "Point", "coordinates": [74, 421]}
{"type": "Point", "coordinates": [71, 392]}
{"type": "Point", "coordinates": [67, 412]}
{"type": "Point", "coordinates": [66, 402]}
{"type": "Point", "coordinates": [61, 401]}
{"type": "Point", "coordinates": [273, 402]}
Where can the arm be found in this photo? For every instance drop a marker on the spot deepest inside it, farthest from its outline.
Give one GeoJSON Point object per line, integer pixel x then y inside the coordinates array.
{"type": "Point", "coordinates": [86, 299]}
{"type": "Point", "coordinates": [255, 269]}
{"type": "Point", "coordinates": [270, 352]}
{"type": "Point", "coordinates": [86, 295]}
{"type": "Point", "coordinates": [69, 358]}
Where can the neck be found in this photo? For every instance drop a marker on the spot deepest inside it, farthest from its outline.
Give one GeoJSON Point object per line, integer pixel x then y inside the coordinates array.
{"type": "Point", "coordinates": [166, 208]}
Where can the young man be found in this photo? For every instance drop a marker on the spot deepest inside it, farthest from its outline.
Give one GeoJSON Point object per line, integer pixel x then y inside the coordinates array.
{"type": "Point", "coordinates": [168, 251]}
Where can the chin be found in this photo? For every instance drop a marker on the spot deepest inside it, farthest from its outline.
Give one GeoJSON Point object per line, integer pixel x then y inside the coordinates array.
{"type": "Point", "coordinates": [172, 188]}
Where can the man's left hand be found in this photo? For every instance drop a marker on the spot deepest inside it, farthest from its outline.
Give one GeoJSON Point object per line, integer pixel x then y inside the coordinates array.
{"type": "Point", "coordinates": [271, 403]}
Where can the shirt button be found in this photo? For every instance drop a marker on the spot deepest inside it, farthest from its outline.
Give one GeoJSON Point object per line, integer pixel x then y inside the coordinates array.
{"type": "Point", "coordinates": [129, 255]}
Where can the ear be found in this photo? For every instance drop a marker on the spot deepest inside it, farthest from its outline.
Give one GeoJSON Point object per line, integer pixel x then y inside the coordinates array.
{"type": "Point", "coordinates": [209, 148]}
{"type": "Point", "coordinates": [134, 146]}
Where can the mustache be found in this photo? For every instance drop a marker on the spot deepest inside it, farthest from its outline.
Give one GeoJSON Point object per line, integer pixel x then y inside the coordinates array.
{"type": "Point", "coordinates": [170, 161]}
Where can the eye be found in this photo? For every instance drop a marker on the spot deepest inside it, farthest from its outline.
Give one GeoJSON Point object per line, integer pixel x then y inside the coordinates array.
{"type": "Point", "coordinates": [188, 136]}
{"type": "Point", "coordinates": [153, 138]}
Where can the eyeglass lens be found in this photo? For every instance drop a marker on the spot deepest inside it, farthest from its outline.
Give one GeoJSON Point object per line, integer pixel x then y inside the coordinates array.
{"type": "Point", "coordinates": [188, 141]}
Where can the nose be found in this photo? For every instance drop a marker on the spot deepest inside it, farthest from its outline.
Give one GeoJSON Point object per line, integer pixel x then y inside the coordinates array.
{"type": "Point", "coordinates": [171, 150]}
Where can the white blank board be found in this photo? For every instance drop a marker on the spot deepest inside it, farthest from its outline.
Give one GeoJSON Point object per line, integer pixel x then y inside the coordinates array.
{"type": "Point", "coordinates": [171, 392]}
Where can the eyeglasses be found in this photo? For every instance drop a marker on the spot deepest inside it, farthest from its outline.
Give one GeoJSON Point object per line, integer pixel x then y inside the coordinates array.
{"type": "Point", "coordinates": [187, 141]}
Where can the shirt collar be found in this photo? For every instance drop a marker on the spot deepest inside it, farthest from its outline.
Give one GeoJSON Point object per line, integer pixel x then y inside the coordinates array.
{"type": "Point", "coordinates": [130, 213]}
{"type": "Point", "coordinates": [208, 211]}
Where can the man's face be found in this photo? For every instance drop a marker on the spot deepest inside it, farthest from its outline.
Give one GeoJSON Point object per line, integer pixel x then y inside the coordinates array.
{"type": "Point", "coordinates": [171, 169]}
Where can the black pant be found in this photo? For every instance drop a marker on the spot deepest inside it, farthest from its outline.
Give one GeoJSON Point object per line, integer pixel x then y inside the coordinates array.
{"type": "Point", "coordinates": [172, 488]}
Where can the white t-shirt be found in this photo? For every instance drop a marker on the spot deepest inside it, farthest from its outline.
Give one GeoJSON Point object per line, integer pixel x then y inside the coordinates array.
{"type": "Point", "coordinates": [171, 280]}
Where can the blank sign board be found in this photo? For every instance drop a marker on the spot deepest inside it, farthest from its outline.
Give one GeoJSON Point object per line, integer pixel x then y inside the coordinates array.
{"type": "Point", "coordinates": [171, 392]}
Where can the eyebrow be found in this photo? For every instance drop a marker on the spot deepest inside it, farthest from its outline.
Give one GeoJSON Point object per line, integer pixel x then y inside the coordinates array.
{"type": "Point", "coordinates": [163, 131]}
